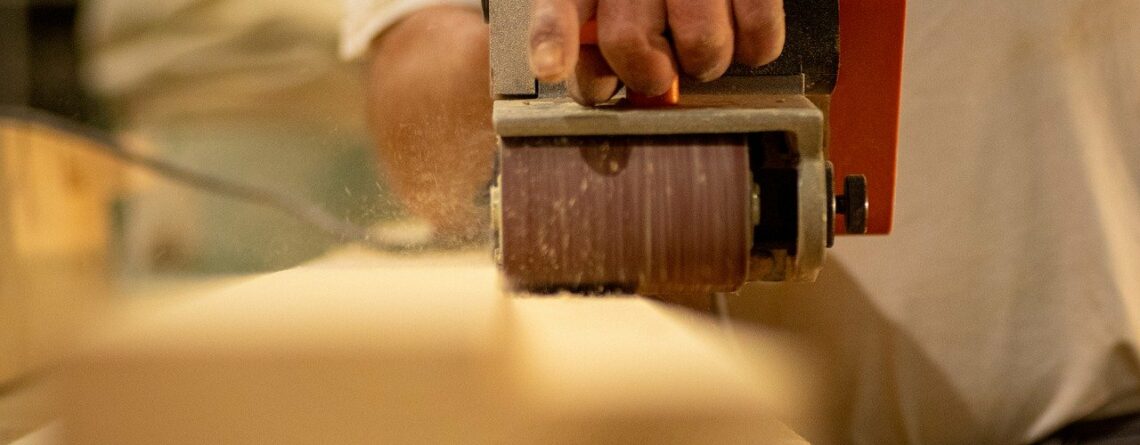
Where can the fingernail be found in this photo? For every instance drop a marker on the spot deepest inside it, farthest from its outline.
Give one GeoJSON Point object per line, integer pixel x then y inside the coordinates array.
{"type": "Point", "coordinates": [547, 59]}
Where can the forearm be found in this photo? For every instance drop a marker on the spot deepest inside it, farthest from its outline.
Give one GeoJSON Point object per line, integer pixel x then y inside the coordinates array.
{"type": "Point", "coordinates": [429, 108]}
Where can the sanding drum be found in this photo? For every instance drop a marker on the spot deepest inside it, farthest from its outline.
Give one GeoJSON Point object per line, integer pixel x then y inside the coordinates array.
{"type": "Point", "coordinates": [650, 214]}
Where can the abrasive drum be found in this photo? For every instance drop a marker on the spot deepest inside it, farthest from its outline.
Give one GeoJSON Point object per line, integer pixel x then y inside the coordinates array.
{"type": "Point", "coordinates": [655, 215]}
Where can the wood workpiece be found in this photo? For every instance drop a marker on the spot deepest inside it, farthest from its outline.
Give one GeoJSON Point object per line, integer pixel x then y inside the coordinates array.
{"type": "Point", "coordinates": [356, 348]}
{"type": "Point", "coordinates": [54, 249]}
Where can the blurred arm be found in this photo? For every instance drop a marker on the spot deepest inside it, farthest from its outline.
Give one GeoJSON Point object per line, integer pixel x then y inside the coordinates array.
{"type": "Point", "coordinates": [429, 106]}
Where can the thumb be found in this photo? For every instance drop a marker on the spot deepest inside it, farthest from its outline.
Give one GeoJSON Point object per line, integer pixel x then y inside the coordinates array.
{"type": "Point", "coordinates": [553, 37]}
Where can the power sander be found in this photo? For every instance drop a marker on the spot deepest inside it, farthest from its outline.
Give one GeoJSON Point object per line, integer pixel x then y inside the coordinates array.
{"type": "Point", "coordinates": [745, 178]}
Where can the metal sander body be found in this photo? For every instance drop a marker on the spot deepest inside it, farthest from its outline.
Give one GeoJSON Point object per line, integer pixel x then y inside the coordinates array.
{"type": "Point", "coordinates": [732, 184]}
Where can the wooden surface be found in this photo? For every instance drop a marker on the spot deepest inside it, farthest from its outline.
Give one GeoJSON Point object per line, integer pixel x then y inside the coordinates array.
{"type": "Point", "coordinates": [356, 348]}
{"type": "Point", "coordinates": [54, 201]}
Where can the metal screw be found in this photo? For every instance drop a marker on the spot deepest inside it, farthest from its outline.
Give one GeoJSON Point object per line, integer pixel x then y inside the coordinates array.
{"type": "Point", "coordinates": [852, 204]}
{"type": "Point", "coordinates": [755, 204]}
{"type": "Point", "coordinates": [496, 207]}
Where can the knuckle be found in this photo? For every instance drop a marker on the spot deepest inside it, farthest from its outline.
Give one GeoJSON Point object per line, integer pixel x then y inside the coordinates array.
{"type": "Point", "coordinates": [701, 39]}
{"type": "Point", "coordinates": [761, 38]}
{"type": "Point", "coordinates": [759, 56]}
{"type": "Point", "coordinates": [759, 12]}
{"type": "Point", "coordinates": [624, 40]}
{"type": "Point", "coordinates": [703, 51]}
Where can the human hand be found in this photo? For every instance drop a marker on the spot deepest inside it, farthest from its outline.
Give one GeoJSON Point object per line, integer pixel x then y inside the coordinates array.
{"type": "Point", "coordinates": [707, 36]}
{"type": "Point", "coordinates": [430, 113]}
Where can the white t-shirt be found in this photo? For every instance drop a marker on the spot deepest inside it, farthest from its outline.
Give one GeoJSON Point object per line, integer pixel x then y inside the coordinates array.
{"type": "Point", "coordinates": [165, 60]}
{"type": "Point", "coordinates": [365, 19]}
{"type": "Point", "coordinates": [1006, 304]}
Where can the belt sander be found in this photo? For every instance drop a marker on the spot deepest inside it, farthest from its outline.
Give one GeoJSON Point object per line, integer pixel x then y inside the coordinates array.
{"type": "Point", "coordinates": [746, 178]}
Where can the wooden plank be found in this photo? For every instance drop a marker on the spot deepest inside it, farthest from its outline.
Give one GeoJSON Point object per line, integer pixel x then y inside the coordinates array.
{"type": "Point", "coordinates": [54, 235]}
{"type": "Point", "coordinates": [359, 348]}
{"type": "Point", "coordinates": [628, 370]}
{"type": "Point", "coordinates": [13, 349]}
{"type": "Point", "coordinates": [331, 353]}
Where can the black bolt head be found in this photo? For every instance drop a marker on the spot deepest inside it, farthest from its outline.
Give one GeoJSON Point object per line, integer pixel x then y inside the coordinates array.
{"type": "Point", "coordinates": [853, 204]}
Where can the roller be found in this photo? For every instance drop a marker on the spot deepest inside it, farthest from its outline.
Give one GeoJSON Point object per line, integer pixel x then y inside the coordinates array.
{"type": "Point", "coordinates": [650, 215]}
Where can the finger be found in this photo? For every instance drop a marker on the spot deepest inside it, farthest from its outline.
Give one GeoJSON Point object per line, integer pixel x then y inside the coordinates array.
{"type": "Point", "coordinates": [702, 35]}
{"type": "Point", "coordinates": [593, 81]}
{"type": "Point", "coordinates": [631, 37]}
{"type": "Point", "coordinates": [553, 36]}
{"type": "Point", "coordinates": [759, 31]}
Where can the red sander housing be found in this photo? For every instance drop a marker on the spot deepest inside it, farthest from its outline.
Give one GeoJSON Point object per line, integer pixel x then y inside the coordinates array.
{"type": "Point", "coordinates": [746, 178]}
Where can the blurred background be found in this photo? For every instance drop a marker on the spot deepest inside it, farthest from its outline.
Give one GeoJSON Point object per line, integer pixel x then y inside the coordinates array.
{"type": "Point", "coordinates": [249, 90]}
